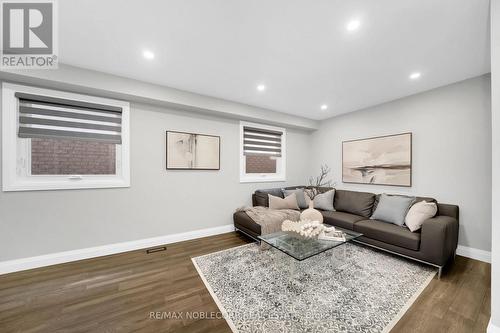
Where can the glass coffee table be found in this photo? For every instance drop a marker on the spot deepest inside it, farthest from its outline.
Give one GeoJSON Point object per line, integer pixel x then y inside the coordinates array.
{"type": "Point", "coordinates": [302, 248]}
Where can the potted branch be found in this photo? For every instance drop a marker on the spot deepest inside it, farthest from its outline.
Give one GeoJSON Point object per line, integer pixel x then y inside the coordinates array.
{"type": "Point", "coordinates": [319, 183]}
{"type": "Point", "coordinates": [316, 186]}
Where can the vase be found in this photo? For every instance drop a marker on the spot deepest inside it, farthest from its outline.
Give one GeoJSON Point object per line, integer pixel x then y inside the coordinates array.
{"type": "Point", "coordinates": [311, 214]}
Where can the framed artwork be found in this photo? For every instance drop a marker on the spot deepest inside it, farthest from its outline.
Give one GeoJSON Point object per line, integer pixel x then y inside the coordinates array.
{"type": "Point", "coordinates": [383, 160]}
{"type": "Point", "coordinates": [190, 151]}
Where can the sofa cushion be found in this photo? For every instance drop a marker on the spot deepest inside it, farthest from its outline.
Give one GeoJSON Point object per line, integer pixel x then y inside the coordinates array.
{"type": "Point", "coordinates": [392, 208]}
{"type": "Point", "coordinates": [300, 195]}
{"type": "Point", "coordinates": [324, 201]}
{"type": "Point", "coordinates": [341, 219]}
{"type": "Point", "coordinates": [389, 233]}
{"type": "Point", "coordinates": [418, 213]}
{"type": "Point", "coordinates": [417, 199]}
{"type": "Point", "coordinates": [358, 203]}
{"type": "Point", "coordinates": [261, 197]}
{"type": "Point", "coordinates": [290, 202]}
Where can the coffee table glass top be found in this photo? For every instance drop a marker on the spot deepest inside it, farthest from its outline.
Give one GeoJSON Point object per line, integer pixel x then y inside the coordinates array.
{"type": "Point", "coordinates": [303, 248]}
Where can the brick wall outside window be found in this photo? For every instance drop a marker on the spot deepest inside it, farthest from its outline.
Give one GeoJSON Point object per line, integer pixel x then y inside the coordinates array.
{"type": "Point", "coordinates": [260, 164]}
{"type": "Point", "coordinates": [72, 157]}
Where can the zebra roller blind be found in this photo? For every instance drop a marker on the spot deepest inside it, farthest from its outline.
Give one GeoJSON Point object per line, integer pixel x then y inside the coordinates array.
{"type": "Point", "coordinates": [49, 117]}
{"type": "Point", "coordinates": [257, 141]}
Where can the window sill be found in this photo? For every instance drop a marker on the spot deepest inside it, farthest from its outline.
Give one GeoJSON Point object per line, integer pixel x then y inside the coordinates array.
{"type": "Point", "coordinates": [262, 179]}
{"type": "Point", "coordinates": [20, 185]}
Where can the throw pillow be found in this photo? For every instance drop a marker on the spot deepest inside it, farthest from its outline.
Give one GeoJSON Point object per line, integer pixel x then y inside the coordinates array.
{"type": "Point", "coordinates": [392, 208]}
{"type": "Point", "coordinates": [418, 213]}
{"type": "Point", "coordinates": [290, 202]}
{"type": "Point", "coordinates": [300, 194]}
{"type": "Point", "coordinates": [324, 201]}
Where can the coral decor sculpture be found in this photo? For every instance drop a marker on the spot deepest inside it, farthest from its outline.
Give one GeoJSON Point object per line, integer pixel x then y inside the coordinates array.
{"type": "Point", "coordinates": [304, 228]}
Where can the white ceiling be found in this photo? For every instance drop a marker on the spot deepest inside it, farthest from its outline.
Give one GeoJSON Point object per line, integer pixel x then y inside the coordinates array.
{"type": "Point", "coordinates": [300, 50]}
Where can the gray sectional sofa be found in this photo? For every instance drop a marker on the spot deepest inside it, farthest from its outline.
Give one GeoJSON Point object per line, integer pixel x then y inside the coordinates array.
{"type": "Point", "coordinates": [435, 243]}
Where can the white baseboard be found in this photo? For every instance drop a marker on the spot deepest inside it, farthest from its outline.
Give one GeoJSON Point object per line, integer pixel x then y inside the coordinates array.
{"type": "Point", "coordinates": [492, 328]}
{"type": "Point", "coordinates": [17, 265]}
{"type": "Point", "coordinates": [473, 253]}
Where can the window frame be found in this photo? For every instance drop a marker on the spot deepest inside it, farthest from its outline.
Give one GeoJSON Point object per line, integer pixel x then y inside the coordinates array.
{"type": "Point", "coordinates": [280, 175]}
{"type": "Point", "coordinates": [16, 152]}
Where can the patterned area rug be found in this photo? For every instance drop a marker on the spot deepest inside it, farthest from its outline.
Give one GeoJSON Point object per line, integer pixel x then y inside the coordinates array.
{"type": "Point", "coordinates": [351, 288]}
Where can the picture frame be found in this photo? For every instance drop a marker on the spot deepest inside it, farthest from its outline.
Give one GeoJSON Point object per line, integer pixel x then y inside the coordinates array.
{"type": "Point", "coordinates": [192, 151]}
{"type": "Point", "coordinates": [381, 160]}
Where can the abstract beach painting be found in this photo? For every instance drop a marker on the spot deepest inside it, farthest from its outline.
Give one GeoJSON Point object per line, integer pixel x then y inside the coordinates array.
{"type": "Point", "coordinates": [189, 151]}
{"type": "Point", "coordinates": [384, 160]}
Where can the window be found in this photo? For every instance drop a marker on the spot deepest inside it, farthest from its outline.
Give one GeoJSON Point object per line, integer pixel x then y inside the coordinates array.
{"type": "Point", "coordinates": [262, 156]}
{"type": "Point", "coordinates": [58, 140]}
{"type": "Point", "coordinates": [72, 157]}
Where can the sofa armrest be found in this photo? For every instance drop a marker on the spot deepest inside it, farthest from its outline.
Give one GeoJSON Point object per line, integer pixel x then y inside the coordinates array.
{"type": "Point", "coordinates": [448, 210]}
{"type": "Point", "coordinates": [439, 239]}
{"type": "Point", "coordinates": [260, 199]}
{"type": "Point", "coordinates": [245, 223]}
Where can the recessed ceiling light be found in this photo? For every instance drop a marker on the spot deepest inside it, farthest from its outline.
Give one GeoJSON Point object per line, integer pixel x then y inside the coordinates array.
{"type": "Point", "coordinates": [148, 54]}
{"type": "Point", "coordinates": [261, 87]}
{"type": "Point", "coordinates": [415, 75]}
{"type": "Point", "coordinates": [324, 107]}
{"type": "Point", "coordinates": [353, 25]}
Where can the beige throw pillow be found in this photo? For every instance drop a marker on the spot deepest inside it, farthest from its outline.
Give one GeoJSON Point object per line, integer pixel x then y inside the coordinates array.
{"type": "Point", "coordinates": [290, 202]}
{"type": "Point", "coordinates": [418, 213]}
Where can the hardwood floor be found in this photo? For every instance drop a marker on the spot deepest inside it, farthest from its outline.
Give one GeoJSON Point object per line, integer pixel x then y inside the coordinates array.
{"type": "Point", "coordinates": [118, 293]}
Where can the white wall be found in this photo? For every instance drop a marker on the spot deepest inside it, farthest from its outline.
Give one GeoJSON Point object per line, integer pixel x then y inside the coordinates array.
{"type": "Point", "coordinates": [158, 203]}
{"type": "Point", "coordinates": [451, 149]}
{"type": "Point", "coordinates": [451, 162]}
{"type": "Point", "coordinates": [86, 81]}
{"type": "Point", "coordinates": [495, 121]}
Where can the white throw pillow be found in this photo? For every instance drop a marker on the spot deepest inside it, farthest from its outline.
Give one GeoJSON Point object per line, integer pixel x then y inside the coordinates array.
{"type": "Point", "coordinates": [324, 201]}
{"type": "Point", "coordinates": [290, 202]}
{"type": "Point", "coordinates": [418, 213]}
{"type": "Point", "coordinates": [300, 195]}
